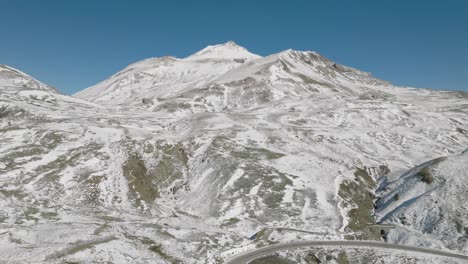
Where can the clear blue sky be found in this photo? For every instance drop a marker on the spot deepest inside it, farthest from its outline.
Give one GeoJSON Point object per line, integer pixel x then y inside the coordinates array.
{"type": "Point", "coordinates": [74, 44]}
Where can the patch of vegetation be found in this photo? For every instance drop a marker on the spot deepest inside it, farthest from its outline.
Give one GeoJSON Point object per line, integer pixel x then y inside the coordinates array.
{"type": "Point", "coordinates": [148, 148]}
{"type": "Point", "coordinates": [93, 191]}
{"type": "Point", "coordinates": [406, 113]}
{"type": "Point", "coordinates": [199, 95]}
{"type": "Point", "coordinates": [230, 222]}
{"type": "Point", "coordinates": [172, 162]}
{"type": "Point", "coordinates": [256, 154]}
{"type": "Point", "coordinates": [262, 234]}
{"type": "Point", "coordinates": [311, 258]}
{"type": "Point", "coordinates": [301, 196]}
{"type": "Point", "coordinates": [358, 195]}
{"type": "Point", "coordinates": [28, 214]}
{"type": "Point", "coordinates": [239, 60]}
{"type": "Point", "coordinates": [15, 240]}
{"type": "Point", "coordinates": [31, 150]}
{"type": "Point", "coordinates": [109, 218]}
{"type": "Point", "coordinates": [158, 249]}
{"type": "Point", "coordinates": [51, 139]}
{"type": "Point", "coordinates": [426, 175]}
{"type": "Point", "coordinates": [53, 169]}
{"type": "Point", "coordinates": [272, 188]}
{"type": "Point", "coordinates": [299, 122]}
{"type": "Point", "coordinates": [49, 215]}
{"type": "Point", "coordinates": [460, 228]}
{"type": "Point", "coordinates": [226, 157]}
{"type": "Point", "coordinates": [373, 95]}
{"type": "Point", "coordinates": [383, 170]}
{"type": "Point", "coordinates": [139, 181]}
{"type": "Point", "coordinates": [403, 220]}
{"type": "Point", "coordinates": [82, 245]}
{"type": "Point", "coordinates": [16, 193]}
{"type": "Point", "coordinates": [261, 238]}
{"type": "Point", "coordinates": [83, 174]}
{"type": "Point", "coordinates": [223, 144]}
{"type": "Point", "coordinates": [396, 197]}
{"type": "Point", "coordinates": [285, 66]}
{"type": "Point", "coordinates": [172, 106]}
{"type": "Point", "coordinates": [309, 80]}
{"type": "Point", "coordinates": [342, 258]}
{"type": "Point", "coordinates": [6, 111]}
{"type": "Point", "coordinates": [100, 229]}
{"type": "Point", "coordinates": [361, 175]}
{"type": "Point", "coordinates": [3, 217]}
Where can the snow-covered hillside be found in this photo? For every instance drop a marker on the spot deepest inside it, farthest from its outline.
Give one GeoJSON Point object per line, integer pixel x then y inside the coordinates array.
{"type": "Point", "coordinates": [16, 78]}
{"type": "Point", "coordinates": [182, 160]}
{"type": "Point", "coordinates": [429, 201]}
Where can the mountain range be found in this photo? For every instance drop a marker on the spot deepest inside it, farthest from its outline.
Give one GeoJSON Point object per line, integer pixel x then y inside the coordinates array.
{"type": "Point", "coordinates": [193, 160]}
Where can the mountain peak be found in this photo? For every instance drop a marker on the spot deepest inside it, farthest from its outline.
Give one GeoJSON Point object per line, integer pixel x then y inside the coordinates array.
{"type": "Point", "coordinates": [230, 43]}
{"type": "Point", "coordinates": [228, 50]}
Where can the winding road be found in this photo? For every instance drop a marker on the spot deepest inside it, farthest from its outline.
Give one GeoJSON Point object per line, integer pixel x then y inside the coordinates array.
{"type": "Point", "coordinates": [248, 256]}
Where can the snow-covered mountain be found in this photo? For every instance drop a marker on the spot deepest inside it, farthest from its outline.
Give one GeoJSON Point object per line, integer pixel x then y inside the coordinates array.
{"type": "Point", "coordinates": [158, 78]}
{"type": "Point", "coordinates": [182, 160]}
{"type": "Point", "coordinates": [227, 76]}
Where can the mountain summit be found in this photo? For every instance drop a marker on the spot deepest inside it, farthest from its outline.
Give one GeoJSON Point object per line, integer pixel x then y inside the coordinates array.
{"type": "Point", "coordinates": [228, 50]}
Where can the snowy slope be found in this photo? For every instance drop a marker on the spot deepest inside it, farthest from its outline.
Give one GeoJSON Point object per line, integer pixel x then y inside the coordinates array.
{"type": "Point", "coordinates": [12, 77]}
{"type": "Point", "coordinates": [429, 202]}
{"type": "Point", "coordinates": [183, 159]}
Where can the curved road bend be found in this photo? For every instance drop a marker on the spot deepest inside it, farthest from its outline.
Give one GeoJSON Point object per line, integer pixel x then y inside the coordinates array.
{"type": "Point", "coordinates": [248, 256]}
